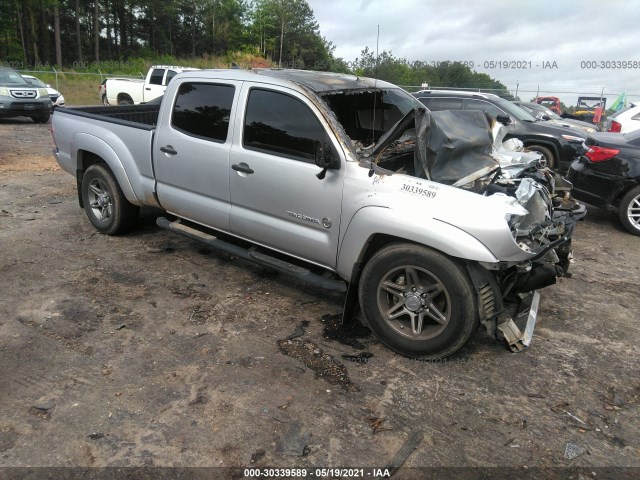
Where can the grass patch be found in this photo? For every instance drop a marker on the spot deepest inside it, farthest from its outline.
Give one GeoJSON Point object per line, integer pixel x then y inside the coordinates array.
{"type": "Point", "coordinates": [80, 86]}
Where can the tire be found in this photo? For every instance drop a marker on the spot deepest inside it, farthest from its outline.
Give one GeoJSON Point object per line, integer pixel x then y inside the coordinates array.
{"type": "Point", "coordinates": [401, 310]}
{"type": "Point", "coordinates": [41, 119]}
{"type": "Point", "coordinates": [125, 101]}
{"type": "Point", "coordinates": [629, 212]}
{"type": "Point", "coordinates": [105, 102]}
{"type": "Point", "coordinates": [546, 153]}
{"type": "Point", "coordinates": [104, 203]}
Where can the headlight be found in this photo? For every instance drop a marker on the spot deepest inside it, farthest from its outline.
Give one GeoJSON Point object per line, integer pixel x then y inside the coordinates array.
{"type": "Point", "coordinates": [4, 91]}
{"type": "Point", "coordinates": [589, 129]}
{"type": "Point", "coordinates": [43, 92]}
{"type": "Point", "coordinates": [573, 138]}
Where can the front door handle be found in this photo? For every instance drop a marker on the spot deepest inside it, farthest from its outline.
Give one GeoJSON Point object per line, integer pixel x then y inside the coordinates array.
{"type": "Point", "coordinates": [148, 88]}
{"type": "Point", "coordinates": [168, 149]}
{"type": "Point", "coordinates": [242, 167]}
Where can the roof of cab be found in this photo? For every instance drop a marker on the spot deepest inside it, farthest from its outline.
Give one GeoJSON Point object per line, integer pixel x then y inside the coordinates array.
{"type": "Point", "coordinates": [318, 82]}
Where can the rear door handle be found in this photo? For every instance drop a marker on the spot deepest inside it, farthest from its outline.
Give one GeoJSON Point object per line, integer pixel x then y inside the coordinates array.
{"type": "Point", "coordinates": [168, 149]}
{"type": "Point", "coordinates": [242, 167]}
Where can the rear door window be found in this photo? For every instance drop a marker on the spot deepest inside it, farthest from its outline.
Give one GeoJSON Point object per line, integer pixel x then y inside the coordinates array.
{"type": "Point", "coordinates": [486, 107]}
{"type": "Point", "coordinates": [203, 110]}
{"type": "Point", "coordinates": [281, 124]}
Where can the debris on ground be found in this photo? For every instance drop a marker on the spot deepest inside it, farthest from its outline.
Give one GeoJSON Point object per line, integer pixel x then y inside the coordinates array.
{"type": "Point", "coordinates": [95, 435]}
{"type": "Point", "coordinates": [349, 333]}
{"type": "Point", "coordinates": [294, 442]}
{"type": "Point", "coordinates": [405, 451]}
{"type": "Point", "coordinates": [572, 451]}
{"type": "Point", "coordinates": [324, 365]}
{"type": "Point", "coordinates": [300, 330]}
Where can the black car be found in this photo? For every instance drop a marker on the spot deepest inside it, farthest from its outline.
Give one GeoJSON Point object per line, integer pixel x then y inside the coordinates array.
{"type": "Point", "coordinates": [543, 113]}
{"type": "Point", "coordinates": [559, 146]}
{"type": "Point", "coordinates": [608, 176]}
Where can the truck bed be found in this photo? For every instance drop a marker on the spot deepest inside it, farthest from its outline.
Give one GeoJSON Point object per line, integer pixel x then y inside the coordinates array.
{"type": "Point", "coordinates": [138, 116]}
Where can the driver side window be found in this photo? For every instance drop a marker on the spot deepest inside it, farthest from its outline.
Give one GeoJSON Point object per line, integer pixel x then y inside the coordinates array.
{"type": "Point", "coordinates": [281, 124]}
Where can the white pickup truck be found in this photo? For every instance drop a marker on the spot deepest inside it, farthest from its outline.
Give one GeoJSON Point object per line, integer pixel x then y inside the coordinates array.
{"type": "Point", "coordinates": [343, 182]}
{"type": "Point", "coordinates": [127, 91]}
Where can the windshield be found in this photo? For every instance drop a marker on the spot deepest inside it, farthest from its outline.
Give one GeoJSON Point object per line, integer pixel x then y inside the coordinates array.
{"type": "Point", "coordinates": [35, 82]}
{"type": "Point", "coordinates": [368, 114]}
{"type": "Point", "coordinates": [10, 77]}
{"type": "Point", "coordinates": [514, 110]}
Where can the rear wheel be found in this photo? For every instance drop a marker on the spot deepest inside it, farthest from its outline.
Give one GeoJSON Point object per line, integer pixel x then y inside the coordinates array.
{"type": "Point", "coordinates": [125, 100]}
{"type": "Point", "coordinates": [105, 102]}
{"type": "Point", "coordinates": [105, 204]}
{"type": "Point", "coordinates": [630, 211]}
{"type": "Point", "coordinates": [417, 301]}
{"type": "Point", "coordinates": [547, 154]}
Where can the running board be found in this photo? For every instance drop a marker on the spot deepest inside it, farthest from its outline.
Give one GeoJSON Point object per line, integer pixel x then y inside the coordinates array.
{"type": "Point", "coordinates": [254, 256]}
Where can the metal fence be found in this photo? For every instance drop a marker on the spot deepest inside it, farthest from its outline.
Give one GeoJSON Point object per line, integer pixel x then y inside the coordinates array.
{"type": "Point", "coordinates": [98, 74]}
{"type": "Point", "coordinates": [524, 91]}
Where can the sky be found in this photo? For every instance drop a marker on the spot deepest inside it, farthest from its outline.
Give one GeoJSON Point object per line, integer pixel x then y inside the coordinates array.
{"type": "Point", "coordinates": [568, 47]}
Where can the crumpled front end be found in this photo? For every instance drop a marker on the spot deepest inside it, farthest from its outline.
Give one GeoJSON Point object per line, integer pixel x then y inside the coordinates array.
{"type": "Point", "coordinates": [465, 149]}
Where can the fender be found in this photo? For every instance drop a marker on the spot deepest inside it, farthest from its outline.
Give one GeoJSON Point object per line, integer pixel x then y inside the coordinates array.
{"type": "Point", "coordinates": [372, 220]}
{"type": "Point", "coordinates": [122, 164]}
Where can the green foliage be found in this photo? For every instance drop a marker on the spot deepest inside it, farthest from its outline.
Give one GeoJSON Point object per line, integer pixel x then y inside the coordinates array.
{"type": "Point", "coordinates": [413, 74]}
{"type": "Point", "coordinates": [131, 35]}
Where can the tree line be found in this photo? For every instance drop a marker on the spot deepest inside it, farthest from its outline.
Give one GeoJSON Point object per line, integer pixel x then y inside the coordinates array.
{"type": "Point", "coordinates": [71, 32]}
{"type": "Point", "coordinates": [77, 33]}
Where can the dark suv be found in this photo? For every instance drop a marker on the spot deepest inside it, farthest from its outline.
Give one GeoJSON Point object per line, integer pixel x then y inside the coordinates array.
{"type": "Point", "coordinates": [19, 98]}
{"type": "Point", "coordinates": [558, 145]}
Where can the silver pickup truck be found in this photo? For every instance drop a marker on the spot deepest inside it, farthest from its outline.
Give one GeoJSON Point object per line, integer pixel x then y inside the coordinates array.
{"type": "Point", "coordinates": [343, 182]}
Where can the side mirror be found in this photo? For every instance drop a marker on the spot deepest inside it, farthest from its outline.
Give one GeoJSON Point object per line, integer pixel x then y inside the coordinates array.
{"type": "Point", "coordinates": [545, 117]}
{"type": "Point", "coordinates": [48, 85]}
{"type": "Point", "coordinates": [504, 119]}
{"type": "Point", "coordinates": [322, 158]}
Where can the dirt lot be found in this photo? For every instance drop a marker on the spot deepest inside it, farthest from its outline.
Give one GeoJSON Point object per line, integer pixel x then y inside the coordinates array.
{"type": "Point", "coordinates": [152, 350]}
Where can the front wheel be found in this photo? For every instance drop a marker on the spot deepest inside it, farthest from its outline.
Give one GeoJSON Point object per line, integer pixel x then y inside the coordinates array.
{"type": "Point", "coordinates": [105, 204]}
{"type": "Point", "coordinates": [418, 302]}
{"type": "Point", "coordinates": [546, 153]}
{"type": "Point", "coordinates": [630, 211]}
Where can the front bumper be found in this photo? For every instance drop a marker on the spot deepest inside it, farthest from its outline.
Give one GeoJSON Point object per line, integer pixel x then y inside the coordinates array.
{"type": "Point", "coordinates": [12, 108]}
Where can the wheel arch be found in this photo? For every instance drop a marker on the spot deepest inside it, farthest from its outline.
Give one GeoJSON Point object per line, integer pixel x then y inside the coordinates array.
{"type": "Point", "coordinates": [547, 144]}
{"type": "Point", "coordinates": [363, 237]}
{"type": "Point", "coordinates": [85, 153]}
{"type": "Point", "coordinates": [124, 96]}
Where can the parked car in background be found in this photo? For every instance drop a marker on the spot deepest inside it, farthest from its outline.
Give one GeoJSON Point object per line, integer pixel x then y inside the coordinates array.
{"type": "Point", "coordinates": [558, 145]}
{"type": "Point", "coordinates": [608, 176]}
{"type": "Point", "coordinates": [627, 120]}
{"type": "Point", "coordinates": [128, 91]}
{"type": "Point", "coordinates": [18, 98]}
{"type": "Point", "coordinates": [543, 113]}
{"type": "Point", "coordinates": [57, 99]}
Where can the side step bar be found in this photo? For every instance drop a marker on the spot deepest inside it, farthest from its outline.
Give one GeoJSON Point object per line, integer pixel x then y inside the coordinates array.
{"type": "Point", "coordinates": [261, 259]}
